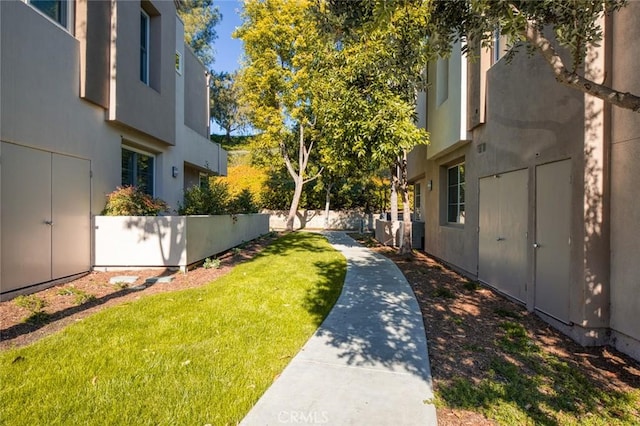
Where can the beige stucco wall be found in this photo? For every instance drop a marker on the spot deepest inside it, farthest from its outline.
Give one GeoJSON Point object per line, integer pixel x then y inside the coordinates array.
{"type": "Point", "coordinates": [148, 109]}
{"type": "Point", "coordinates": [446, 122]}
{"type": "Point", "coordinates": [530, 120]}
{"type": "Point", "coordinates": [625, 169]}
{"type": "Point", "coordinates": [196, 106]}
{"type": "Point", "coordinates": [40, 106]}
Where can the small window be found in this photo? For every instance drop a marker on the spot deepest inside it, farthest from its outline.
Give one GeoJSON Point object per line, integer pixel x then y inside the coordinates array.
{"type": "Point", "coordinates": [455, 194]}
{"type": "Point", "coordinates": [144, 47]}
{"type": "Point", "coordinates": [179, 63]}
{"type": "Point", "coordinates": [138, 170]}
{"type": "Point", "coordinates": [203, 180]}
{"type": "Point", "coordinates": [58, 10]}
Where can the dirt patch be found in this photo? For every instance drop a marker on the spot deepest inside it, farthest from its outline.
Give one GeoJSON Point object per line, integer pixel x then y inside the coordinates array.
{"type": "Point", "coordinates": [462, 321]}
{"type": "Point", "coordinates": [62, 307]}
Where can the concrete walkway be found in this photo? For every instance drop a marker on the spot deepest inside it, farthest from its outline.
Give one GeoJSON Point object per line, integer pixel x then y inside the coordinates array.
{"type": "Point", "coordinates": [367, 364]}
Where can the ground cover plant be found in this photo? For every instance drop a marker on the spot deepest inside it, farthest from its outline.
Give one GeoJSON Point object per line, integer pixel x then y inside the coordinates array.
{"type": "Point", "coordinates": [493, 362]}
{"type": "Point", "coordinates": [198, 356]}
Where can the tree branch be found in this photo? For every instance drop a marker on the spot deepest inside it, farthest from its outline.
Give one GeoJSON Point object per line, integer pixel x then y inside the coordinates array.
{"type": "Point", "coordinates": [314, 177]}
{"type": "Point", "coordinates": [571, 79]}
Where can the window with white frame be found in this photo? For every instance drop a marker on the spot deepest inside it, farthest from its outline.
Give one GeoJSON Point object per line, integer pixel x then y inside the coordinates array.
{"type": "Point", "coordinates": [455, 194]}
{"type": "Point", "coordinates": [144, 47]}
{"type": "Point", "coordinates": [203, 180]}
{"type": "Point", "coordinates": [57, 10]}
{"type": "Point", "coordinates": [138, 170]}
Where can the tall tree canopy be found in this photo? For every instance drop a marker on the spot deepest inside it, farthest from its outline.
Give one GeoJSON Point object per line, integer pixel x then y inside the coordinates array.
{"type": "Point", "coordinates": [200, 18]}
{"type": "Point", "coordinates": [368, 101]}
{"type": "Point", "coordinates": [281, 47]}
{"type": "Point", "coordinates": [226, 109]}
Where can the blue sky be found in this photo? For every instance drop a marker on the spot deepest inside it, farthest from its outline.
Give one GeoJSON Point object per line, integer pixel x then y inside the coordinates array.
{"type": "Point", "coordinates": [228, 49]}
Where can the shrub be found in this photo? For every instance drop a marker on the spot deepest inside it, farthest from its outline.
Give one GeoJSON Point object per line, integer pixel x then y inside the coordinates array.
{"type": "Point", "coordinates": [31, 302]}
{"type": "Point", "coordinates": [131, 201]}
{"type": "Point", "coordinates": [243, 203]}
{"type": "Point", "coordinates": [211, 263]}
{"type": "Point", "coordinates": [210, 200]}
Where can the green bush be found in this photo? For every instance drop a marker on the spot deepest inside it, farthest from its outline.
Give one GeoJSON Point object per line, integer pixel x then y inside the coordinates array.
{"type": "Point", "coordinates": [243, 203]}
{"type": "Point", "coordinates": [210, 200]}
{"type": "Point", "coordinates": [131, 201]}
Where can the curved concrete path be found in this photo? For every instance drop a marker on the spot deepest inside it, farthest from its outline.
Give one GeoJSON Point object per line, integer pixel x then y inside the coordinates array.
{"type": "Point", "coordinates": [367, 364]}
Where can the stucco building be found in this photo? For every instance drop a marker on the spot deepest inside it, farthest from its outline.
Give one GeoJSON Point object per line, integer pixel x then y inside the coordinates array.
{"type": "Point", "coordinates": [530, 186]}
{"type": "Point", "coordinates": [93, 95]}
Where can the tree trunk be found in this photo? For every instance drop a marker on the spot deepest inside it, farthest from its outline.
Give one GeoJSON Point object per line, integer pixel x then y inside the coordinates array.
{"type": "Point", "coordinates": [327, 202]}
{"type": "Point", "coordinates": [406, 244]}
{"type": "Point", "coordinates": [293, 209]}
{"type": "Point", "coordinates": [394, 203]}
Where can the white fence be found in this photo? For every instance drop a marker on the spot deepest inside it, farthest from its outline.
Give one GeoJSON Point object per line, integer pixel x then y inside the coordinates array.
{"type": "Point", "coordinates": [170, 241]}
{"type": "Point", "coordinates": [316, 219]}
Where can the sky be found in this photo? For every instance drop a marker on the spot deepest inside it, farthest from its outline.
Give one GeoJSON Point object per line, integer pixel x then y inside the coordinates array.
{"type": "Point", "coordinates": [228, 49]}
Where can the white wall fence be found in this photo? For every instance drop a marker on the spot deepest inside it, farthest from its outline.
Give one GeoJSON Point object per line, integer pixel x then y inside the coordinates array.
{"type": "Point", "coordinates": [170, 241]}
{"type": "Point", "coordinates": [316, 219]}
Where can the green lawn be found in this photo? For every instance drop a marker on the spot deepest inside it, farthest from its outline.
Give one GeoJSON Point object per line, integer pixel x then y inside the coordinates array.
{"type": "Point", "coordinates": [194, 357]}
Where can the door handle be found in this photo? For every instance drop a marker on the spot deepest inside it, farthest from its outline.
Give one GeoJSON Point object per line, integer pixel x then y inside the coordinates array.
{"type": "Point", "coordinates": [48, 222]}
{"type": "Point", "coordinates": [500, 239]}
{"type": "Point", "coordinates": [536, 245]}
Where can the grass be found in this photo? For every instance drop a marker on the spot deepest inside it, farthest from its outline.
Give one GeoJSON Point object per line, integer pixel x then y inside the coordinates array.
{"type": "Point", "coordinates": [80, 297]}
{"type": "Point", "coordinates": [200, 356]}
{"type": "Point", "coordinates": [527, 385]}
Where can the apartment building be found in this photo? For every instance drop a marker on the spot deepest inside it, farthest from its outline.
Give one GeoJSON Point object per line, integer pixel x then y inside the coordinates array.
{"type": "Point", "coordinates": [529, 186]}
{"type": "Point", "coordinates": [93, 95]}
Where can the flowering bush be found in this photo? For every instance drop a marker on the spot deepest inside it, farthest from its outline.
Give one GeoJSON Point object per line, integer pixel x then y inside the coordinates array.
{"type": "Point", "coordinates": [131, 201]}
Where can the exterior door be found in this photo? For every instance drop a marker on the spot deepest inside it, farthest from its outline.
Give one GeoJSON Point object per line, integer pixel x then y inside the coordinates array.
{"type": "Point", "coordinates": [25, 212]}
{"type": "Point", "coordinates": [45, 213]}
{"type": "Point", "coordinates": [70, 214]}
{"type": "Point", "coordinates": [553, 239]}
{"type": "Point", "coordinates": [503, 232]}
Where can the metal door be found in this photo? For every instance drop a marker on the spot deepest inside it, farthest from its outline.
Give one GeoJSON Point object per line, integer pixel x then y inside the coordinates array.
{"type": "Point", "coordinates": [503, 232]}
{"type": "Point", "coordinates": [26, 217]}
{"type": "Point", "coordinates": [71, 229]}
{"type": "Point", "coordinates": [553, 239]}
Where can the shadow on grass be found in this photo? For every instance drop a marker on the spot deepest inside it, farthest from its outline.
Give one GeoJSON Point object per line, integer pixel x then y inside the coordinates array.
{"type": "Point", "coordinates": [320, 299]}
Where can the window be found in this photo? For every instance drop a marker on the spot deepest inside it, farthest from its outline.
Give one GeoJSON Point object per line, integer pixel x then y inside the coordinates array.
{"type": "Point", "coordinates": [58, 10]}
{"type": "Point", "coordinates": [455, 194]}
{"type": "Point", "coordinates": [178, 62]}
{"type": "Point", "coordinates": [203, 180]}
{"type": "Point", "coordinates": [138, 170]}
{"type": "Point", "coordinates": [144, 47]}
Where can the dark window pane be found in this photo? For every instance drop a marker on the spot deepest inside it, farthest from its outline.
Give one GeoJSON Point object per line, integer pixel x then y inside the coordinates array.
{"type": "Point", "coordinates": [453, 176]}
{"type": "Point", "coordinates": [145, 173]}
{"type": "Point", "coordinates": [461, 169]}
{"type": "Point", "coordinates": [127, 167]}
{"type": "Point", "coordinates": [453, 195]}
{"type": "Point", "coordinates": [452, 215]}
{"type": "Point", "coordinates": [54, 9]}
{"type": "Point", "coordinates": [461, 193]}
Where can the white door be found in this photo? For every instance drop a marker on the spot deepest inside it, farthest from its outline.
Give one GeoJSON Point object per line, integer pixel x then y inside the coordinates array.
{"type": "Point", "coordinates": [502, 257]}
{"type": "Point", "coordinates": [553, 239]}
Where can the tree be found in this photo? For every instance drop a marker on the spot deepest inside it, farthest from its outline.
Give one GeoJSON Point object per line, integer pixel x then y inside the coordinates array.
{"type": "Point", "coordinates": [368, 107]}
{"type": "Point", "coordinates": [200, 18]}
{"type": "Point", "coordinates": [226, 109]}
{"type": "Point", "coordinates": [575, 25]}
{"type": "Point", "coordinates": [281, 44]}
